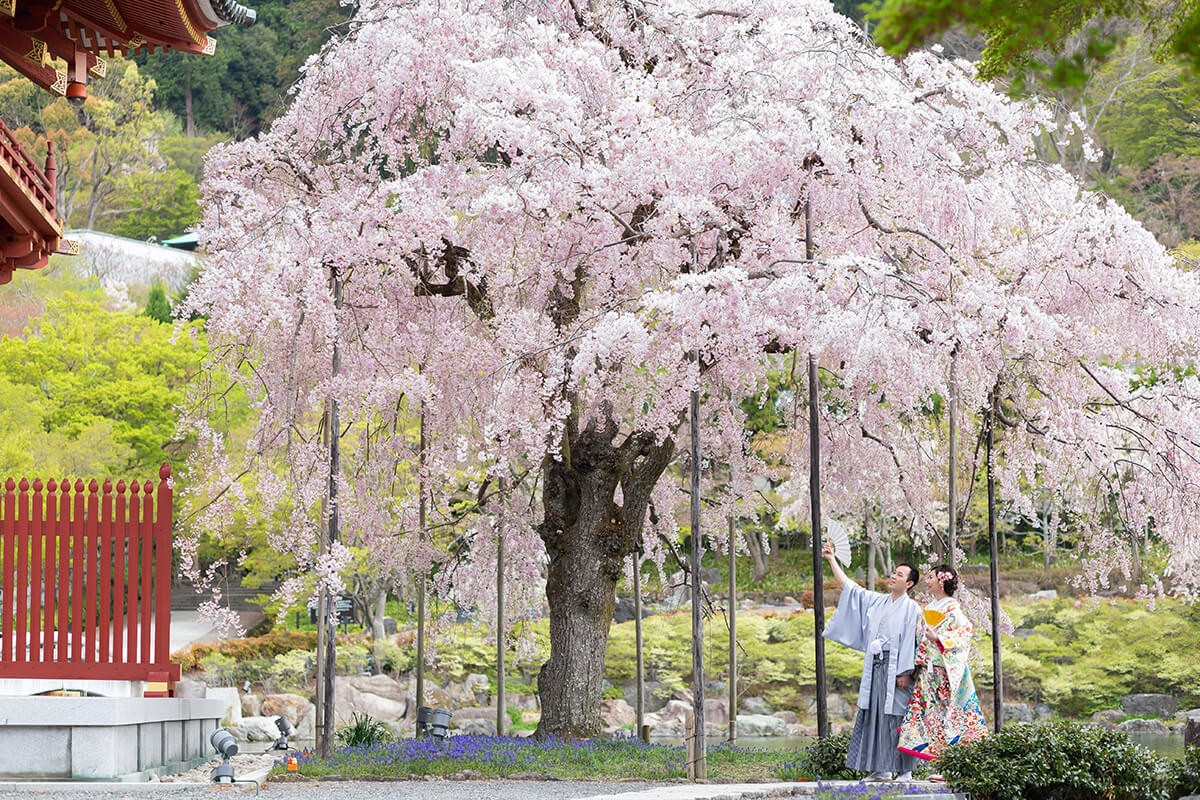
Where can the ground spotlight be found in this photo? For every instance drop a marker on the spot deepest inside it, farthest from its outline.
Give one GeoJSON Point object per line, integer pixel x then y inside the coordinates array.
{"type": "Point", "coordinates": [424, 714]}
{"type": "Point", "coordinates": [441, 723]}
{"type": "Point", "coordinates": [224, 743]}
{"type": "Point", "coordinates": [286, 729]}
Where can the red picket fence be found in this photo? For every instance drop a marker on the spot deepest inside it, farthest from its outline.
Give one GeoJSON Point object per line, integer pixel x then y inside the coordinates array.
{"type": "Point", "coordinates": [87, 581]}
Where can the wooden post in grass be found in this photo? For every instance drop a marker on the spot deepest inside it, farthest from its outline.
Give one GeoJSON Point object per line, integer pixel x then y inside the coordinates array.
{"type": "Point", "coordinates": [699, 754]}
{"type": "Point", "coordinates": [997, 674]}
{"type": "Point", "coordinates": [639, 705]}
{"type": "Point", "coordinates": [732, 636]}
{"type": "Point", "coordinates": [500, 711]}
{"type": "Point", "coordinates": [421, 576]}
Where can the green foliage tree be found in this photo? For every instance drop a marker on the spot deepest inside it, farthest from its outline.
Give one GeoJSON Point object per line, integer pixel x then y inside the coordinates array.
{"type": "Point", "coordinates": [241, 88]}
{"type": "Point", "coordinates": [1057, 40]}
{"type": "Point", "coordinates": [110, 380]}
{"type": "Point", "coordinates": [157, 305]}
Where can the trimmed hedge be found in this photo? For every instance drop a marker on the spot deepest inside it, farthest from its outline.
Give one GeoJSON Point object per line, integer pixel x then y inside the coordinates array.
{"type": "Point", "coordinates": [1063, 761]}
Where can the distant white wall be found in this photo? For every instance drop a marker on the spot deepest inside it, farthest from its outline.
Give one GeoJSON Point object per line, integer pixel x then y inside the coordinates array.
{"type": "Point", "coordinates": [120, 262]}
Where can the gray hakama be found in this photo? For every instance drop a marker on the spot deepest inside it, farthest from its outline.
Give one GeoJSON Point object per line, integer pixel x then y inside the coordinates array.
{"type": "Point", "coordinates": [885, 631]}
{"type": "Point", "coordinates": [876, 734]}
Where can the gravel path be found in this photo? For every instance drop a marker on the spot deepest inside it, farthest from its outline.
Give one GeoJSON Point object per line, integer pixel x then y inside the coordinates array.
{"type": "Point", "coordinates": [329, 790]}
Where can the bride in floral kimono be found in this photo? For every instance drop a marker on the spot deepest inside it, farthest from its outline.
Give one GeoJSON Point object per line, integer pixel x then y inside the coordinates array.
{"type": "Point", "coordinates": [944, 709]}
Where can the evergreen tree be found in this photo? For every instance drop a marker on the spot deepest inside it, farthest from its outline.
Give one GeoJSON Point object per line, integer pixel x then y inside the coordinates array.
{"type": "Point", "coordinates": [157, 305]}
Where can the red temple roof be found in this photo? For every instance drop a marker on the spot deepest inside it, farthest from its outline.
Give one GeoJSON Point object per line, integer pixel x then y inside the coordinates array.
{"type": "Point", "coordinates": [59, 44]}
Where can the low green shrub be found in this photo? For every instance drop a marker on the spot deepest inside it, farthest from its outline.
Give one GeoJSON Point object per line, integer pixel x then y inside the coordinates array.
{"type": "Point", "coordinates": [826, 758]}
{"type": "Point", "coordinates": [363, 730]}
{"type": "Point", "coordinates": [1063, 761]}
{"type": "Point", "coordinates": [290, 670]}
{"type": "Point", "coordinates": [1185, 773]}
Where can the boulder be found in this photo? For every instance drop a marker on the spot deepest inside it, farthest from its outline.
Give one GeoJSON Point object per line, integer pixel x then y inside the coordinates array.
{"type": "Point", "coordinates": [459, 696]}
{"type": "Point", "coordinates": [655, 695]}
{"type": "Point", "coordinates": [523, 702]}
{"type": "Point", "coordinates": [797, 730]}
{"type": "Point", "coordinates": [252, 706]}
{"type": "Point", "coordinates": [1109, 717]}
{"type": "Point", "coordinates": [788, 717]}
{"type": "Point", "coordinates": [1045, 594]}
{"type": "Point", "coordinates": [1154, 726]}
{"type": "Point", "coordinates": [716, 710]}
{"type": "Point", "coordinates": [188, 689]}
{"type": "Point", "coordinates": [464, 714]}
{"type": "Point", "coordinates": [754, 706]}
{"type": "Point", "coordinates": [256, 729]}
{"type": "Point", "coordinates": [1016, 712]}
{"type": "Point", "coordinates": [389, 626]}
{"type": "Point", "coordinates": [292, 706]}
{"type": "Point", "coordinates": [672, 717]}
{"type": "Point", "coordinates": [477, 727]}
{"type": "Point", "coordinates": [625, 610]}
{"type": "Point", "coordinates": [377, 696]}
{"type": "Point", "coordinates": [837, 706]}
{"type": "Point", "coordinates": [306, 728]}
{"type": "Point", "coordinates": [531, 717]}
{"type": "Point", "coordinates": [710, 575]}
{"type": "Point", "coordinates": [616, 713]}
{"type": "Point", "coordinates": [760, 725]}
{"type": "Point", "coordinates": [1156, 705]}
{"type": "Point", "coordinates": [233, 704]}
{"type": "Point", "coordinates": [479, 687]}
{"type": "Point", "coordinates": [1042, 712]}
{"type": "Point", "coordinates": [1191, 712]}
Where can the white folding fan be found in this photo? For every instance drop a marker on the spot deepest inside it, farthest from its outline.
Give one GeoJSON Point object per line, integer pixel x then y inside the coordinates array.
{"type": "Point", "coordinates": [835, 534]}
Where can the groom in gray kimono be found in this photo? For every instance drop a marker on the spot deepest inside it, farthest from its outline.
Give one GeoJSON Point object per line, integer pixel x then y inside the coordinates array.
{"type": "Point", "coordinates": [884, 628]}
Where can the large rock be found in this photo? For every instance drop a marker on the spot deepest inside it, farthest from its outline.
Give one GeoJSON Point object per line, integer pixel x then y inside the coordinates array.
{"type": "Point", "coordinates": [625, 610]}
{"type": "Point", "coordinates": [1155, 726]}
{"type": "Point", "coordinates": [1109, 717]}
{"type": "Point", "coordinates": [1157, 705]}
{"type": "Point", "coordinates": [1017, 712]}
{"type": "Point", "coordinates": [522, 702]}
{"type": "Point", "coordinates": [1042, 712]}
{"type": "Point", "coordinates": [760, 725]}
{"type": "Point", "coordinates": [478, 686]}
{"type": "Point", "coordinates": [233, 704]}
{"type": "Point", "coordinates": [788, 717]}
{"type": "Point", "coordinates": [306, 728]}
{"type": "Point", "coordinates": [616, 713]}
{"type": "Point", "coordinates": [187, 689]}
{"type": "Point", "coordinates": [377, 696]}
{"type": "Point", "coordinates": [256, 729]}
{"type": "Point", "coordinates": [716, 710]}
{"type": "Point", "coordinates": [252, 706]}
{"type": "Point", "coordinates": [671, 718]}
{"type": "Point", "coordinates": [754, 706]}
{"type": "Point", "coordinates": [837, 706]}
{"type": "Point", "coordinates": [478, 727]}
{"type": "Point", "coordinates": [464, 714]}
{"type": "Point", "coordinates": [292, 706]}
{"type": "Point", "coordinates": [655, 695]}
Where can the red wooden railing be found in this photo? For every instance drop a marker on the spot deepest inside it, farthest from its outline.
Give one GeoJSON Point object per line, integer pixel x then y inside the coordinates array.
{"type": "Point", "coordinates": [86, 588]}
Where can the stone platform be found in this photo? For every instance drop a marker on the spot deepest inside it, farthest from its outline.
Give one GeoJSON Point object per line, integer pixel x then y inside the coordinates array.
{"type": "Point", "coordinates": [103, 738]}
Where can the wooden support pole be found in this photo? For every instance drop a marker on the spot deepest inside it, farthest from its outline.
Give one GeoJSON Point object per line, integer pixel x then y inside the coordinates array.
{"type": "Point", "coordinates": [420, 692]}
{"type": "Point", "coordinates": [329, 621]}
{"type": "Point", "coordinates": [814, 495]}
{"type": "Point", "coordinates": [733, 665]}
{"type": "Point", "coordinates": [952, 502]}
{"type": "Point", "coordinates": [814, 492]}
{"type": "Point", "coordinates": [639, 705]}
{"type": "Point", "coordinates": [997, 673]}
{"type": "Point", "coordinates": [699, 752]}
{"type": "Point", "coordinates": [500, 710]}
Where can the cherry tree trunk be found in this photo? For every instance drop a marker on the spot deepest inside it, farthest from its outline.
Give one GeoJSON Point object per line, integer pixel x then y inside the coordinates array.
{"type": "Point", "coordinates": [588, 536]}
